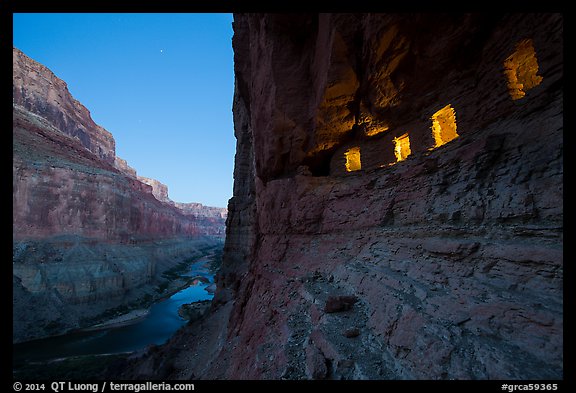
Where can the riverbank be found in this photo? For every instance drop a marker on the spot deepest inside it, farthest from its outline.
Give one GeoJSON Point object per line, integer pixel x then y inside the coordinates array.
{"type": "Point", "coordinates": [195, 310]}
{"type": "Point", "coordinates": [131, 317]}
{"type": "Point", "coordinates": [115, 335]}
{"type": "Point", "coordinates": [175, 280]}
{"type": "Point", "coordinates": [101, 281]}
{"type": "Point", "coordinates": [93, 348]}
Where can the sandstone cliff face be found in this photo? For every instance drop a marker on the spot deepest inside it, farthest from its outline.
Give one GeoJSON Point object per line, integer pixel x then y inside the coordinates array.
{"type": "Point", "coordinates": [122, 166]}
{"type": "Point", "coordinates": [437, 259]}
{"type": "Point", "coordinates": [160, 192]}
{"type": "Point", "coordinates": [200, 210]}
{"type": "Point", "coordinates": [38, 90]}
{"type": "Point", "coordinates": [86, 230]}
{"type": "Point", "coordinates": [59, 188]}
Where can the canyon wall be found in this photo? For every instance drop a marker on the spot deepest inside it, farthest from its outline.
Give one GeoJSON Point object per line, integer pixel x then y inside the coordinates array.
{"type": "Point", "coordinates": [398, 203]}
{"type": "Point", "coordinates": [198, 210]}
{"type": "Point", "coordinates": [87, 232]}
{"type": "Point", "coordinates": [38, 90]}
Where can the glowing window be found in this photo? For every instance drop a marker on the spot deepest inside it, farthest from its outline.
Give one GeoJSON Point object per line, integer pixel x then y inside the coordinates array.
{"type": "Point", "coordinates": [352, 156]}
{"type": "Point", "coordinates": [521, 69]}
{"type": "Point", "coordinates": [444, 126]}
{"type": "Point", "coordinates": [402, 147]}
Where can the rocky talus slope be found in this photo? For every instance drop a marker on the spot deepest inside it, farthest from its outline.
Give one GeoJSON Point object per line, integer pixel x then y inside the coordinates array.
{"type": "Point", "coordinates": [398, 203]}
{"type": "Point", "coordinates": [88, 235]}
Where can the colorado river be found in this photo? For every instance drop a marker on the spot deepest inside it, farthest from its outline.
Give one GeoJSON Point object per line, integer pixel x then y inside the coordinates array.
{"type": "Point", "coordinates": [156, 328]}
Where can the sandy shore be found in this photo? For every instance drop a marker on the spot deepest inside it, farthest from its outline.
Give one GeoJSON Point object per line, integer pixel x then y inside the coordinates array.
{"type": "Point", "coordinates": [122, 320]}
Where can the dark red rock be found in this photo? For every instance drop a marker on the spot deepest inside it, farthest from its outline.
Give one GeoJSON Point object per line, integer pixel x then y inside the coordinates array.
{"type": "Point", "coordinates": [39, 91]}
{"type": "Point", "coordinates": [315, 363]}
{"type": "Point", "coordinates": [339, 303]}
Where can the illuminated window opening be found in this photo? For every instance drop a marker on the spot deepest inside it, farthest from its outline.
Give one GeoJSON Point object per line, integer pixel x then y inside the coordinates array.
{"type": "Point", "coordinates": [352, 156]}
{"type": "Point", "coordinates": [521, 69]}
{"type": "Point", "coordinates": [402, 147]}
{"type": "Point", "coordinates": [444, 126]}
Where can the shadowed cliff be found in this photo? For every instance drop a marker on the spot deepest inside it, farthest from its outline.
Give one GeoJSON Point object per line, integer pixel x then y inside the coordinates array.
{"type": "Point", "coordinates": [397, 208]}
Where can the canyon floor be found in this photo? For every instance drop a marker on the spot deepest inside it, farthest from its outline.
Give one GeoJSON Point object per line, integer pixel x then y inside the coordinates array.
{"type": "Point", "coordinates": [105, 366]}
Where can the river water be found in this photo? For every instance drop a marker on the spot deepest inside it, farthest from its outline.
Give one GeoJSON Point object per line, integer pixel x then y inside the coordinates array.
{"type": "Point", "coordinates": [156, 328]}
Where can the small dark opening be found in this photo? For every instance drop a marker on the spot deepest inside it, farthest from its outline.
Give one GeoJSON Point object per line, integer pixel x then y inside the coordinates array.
{"type": "Point", "coordinates": [319, 164]}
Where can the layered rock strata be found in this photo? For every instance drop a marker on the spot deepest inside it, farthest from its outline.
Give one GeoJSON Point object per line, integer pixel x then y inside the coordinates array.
{"type": "Point", "coordinates": [39, 91]}
{"type": "Point", "coordinates": [411, 165]}
{"type": "Point", "coordinates": [87, 232]}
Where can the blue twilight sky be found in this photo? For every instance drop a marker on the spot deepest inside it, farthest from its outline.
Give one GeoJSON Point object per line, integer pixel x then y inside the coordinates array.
{"type": "Point", "coordinates": [162, 84]}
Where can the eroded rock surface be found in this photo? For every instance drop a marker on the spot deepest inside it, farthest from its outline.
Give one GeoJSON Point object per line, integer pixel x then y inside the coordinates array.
{"type": "Point", "coordinates": [452, 248]}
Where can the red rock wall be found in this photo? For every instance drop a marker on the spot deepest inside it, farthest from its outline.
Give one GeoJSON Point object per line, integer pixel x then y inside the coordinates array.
{"type": "Point", "coordinates": [159, 190]}
{"type": "Point", "coordinates": [453, 257]}
{"type": "Point", "coordinates": [37, 89]}
{"type": "Point", "coordinates": [67, 179]}
{"type": "Point", "coordinates": [59, 189]}
{"type": "Point", "coordinates": [122, 166]}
